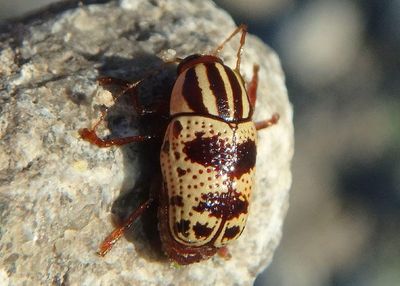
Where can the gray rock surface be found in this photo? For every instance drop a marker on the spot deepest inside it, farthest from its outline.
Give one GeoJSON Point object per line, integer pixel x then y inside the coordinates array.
{"type": "Point", "coordinates": [57, 191]}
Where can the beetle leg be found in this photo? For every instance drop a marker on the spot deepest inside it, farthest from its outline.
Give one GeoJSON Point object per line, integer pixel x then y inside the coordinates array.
{"type": "Point", "coordinates": [224, 253]}
{"type": "Point", "coordinates": [128, 88]}
{"type": "Point", "coordinates": [242, 28]}
{"type": "Point", "coordinates": [117, 233]}
{"type": "Point", "coordinates": [91, 136]}
{"type": "Point", "coordinates": [252, 86]}
{"type": "Point", "coordinates": [252, 92]}
{"type": "Point", "coordinates": [108, 80]}
{"type": "Point", "coordinates": [267, 123]}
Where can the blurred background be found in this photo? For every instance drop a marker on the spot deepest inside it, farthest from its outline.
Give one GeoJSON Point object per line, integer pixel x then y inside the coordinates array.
{"type": "Point", "coordinates": [342, 62]}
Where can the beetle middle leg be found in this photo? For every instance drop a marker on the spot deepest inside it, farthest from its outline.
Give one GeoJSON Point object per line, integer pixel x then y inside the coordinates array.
{"type": "Point", "coordinates": [224, 253]}
{"type": "Point", "coordinates": [129, 89]}
{"type": "Point", "coordinates": [89, 134]}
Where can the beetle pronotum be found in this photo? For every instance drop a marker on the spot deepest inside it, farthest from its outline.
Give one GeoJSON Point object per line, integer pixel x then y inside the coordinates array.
{"type": "Point", "coordinates": [207, 157]}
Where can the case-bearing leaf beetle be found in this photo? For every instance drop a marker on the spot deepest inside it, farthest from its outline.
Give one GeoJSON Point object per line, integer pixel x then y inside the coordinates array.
{"type": "Point", "coordinates": [207, 158]}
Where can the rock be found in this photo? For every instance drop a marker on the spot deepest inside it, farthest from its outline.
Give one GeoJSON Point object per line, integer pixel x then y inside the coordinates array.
{"type": "Point", "coordinates": [57, 191]}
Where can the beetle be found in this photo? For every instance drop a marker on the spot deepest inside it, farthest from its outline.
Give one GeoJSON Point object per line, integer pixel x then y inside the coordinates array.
{"type": "Point", "coordinates": [207, 157]}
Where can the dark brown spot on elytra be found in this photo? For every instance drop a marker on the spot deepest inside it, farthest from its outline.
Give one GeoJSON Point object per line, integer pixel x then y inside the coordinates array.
{"type": "Point", "coordinates": [177, 128]}
{"type": "Point", "coordinates": [176, 201]}
{"type": "Point", "coordinates": [225, 205]}
{"type": "Point", "coordinates": [183, 227]}
{"type": "Point", "coordinates": [233, 160]}
{"type": "Point", "coordinates": [177, 155]}
{"type": "Point", "coordinates": [181, 172]}
{"type": "Point", "coordinates": [202, 230]}
{"type": "Point", "coordinates": [246, 158]}
{"type": "Point", "coordinates": [231, 232]}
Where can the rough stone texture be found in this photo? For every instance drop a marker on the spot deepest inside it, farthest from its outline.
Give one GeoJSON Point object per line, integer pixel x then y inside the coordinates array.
{"type": "Point", "coordinates": [57, 191]}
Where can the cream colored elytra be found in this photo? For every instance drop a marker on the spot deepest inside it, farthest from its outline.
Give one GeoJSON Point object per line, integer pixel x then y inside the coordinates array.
{"type": "Point", "coordinates": [187, 181]}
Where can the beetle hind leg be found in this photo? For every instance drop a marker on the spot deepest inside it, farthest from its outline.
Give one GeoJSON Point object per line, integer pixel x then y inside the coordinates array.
{"type": "Point", "coordinates": [224, 253]}
{"type": "Point", "coordinates": [117, 233]}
